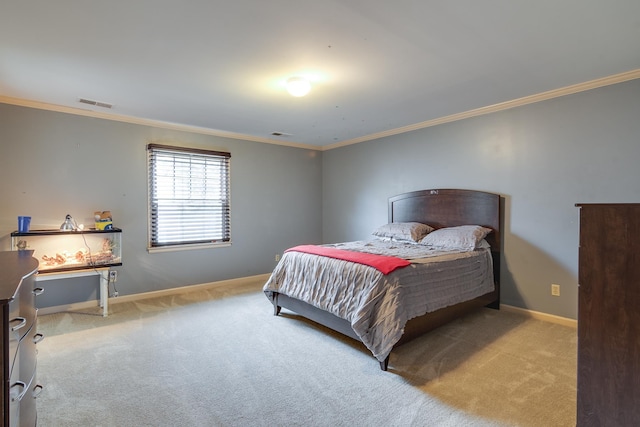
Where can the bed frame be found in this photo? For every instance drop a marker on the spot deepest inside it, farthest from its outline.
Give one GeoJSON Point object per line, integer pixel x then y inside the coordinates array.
{"type": "Point", "coordinates": [438, 208]}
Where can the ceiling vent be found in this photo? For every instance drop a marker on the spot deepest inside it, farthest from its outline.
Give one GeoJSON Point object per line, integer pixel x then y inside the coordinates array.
{"type": "Point", "coordinates": [96, 103]}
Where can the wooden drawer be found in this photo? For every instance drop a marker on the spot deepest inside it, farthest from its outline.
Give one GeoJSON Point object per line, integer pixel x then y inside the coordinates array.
{"type": "Point", "coordinates": [22, 385]}
{"type": "Point", "coordinates": [23, 306]}
{"type": "Point", "coordinates": [19, 338]}
{"type": "Point", "coordinates": [21, 327]}
{"type": "Point", "coordinates": [23, 401]}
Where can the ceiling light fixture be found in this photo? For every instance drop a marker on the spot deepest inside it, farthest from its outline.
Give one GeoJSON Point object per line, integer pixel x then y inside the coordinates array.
{"type": "Point", "coordinates": [297, 86]}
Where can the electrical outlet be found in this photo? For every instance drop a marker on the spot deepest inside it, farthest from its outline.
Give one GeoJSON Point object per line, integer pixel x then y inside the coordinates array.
{"type": "Point", "coordinates": [555, 290]}
{"type": "Point", "coordinates": [277, 257]}
{"type": "Point", "coordinates": [113, 276]}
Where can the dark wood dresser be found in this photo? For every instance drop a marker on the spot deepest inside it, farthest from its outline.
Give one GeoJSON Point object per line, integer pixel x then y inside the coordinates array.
{"type": "Point", "coordinates": [19, 338]}
{"type": "Point", "coordinates": [609, 315]}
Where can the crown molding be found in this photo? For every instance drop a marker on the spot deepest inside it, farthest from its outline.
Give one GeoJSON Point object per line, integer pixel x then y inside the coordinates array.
{"type": "Point", "coordinates": [147, 122]}
{"type": "Point", "coordinates": [519, 102]}
{"type": "Point", "coordinates": [531, 99]}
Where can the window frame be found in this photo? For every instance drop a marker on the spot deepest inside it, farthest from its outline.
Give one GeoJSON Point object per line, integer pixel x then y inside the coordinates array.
{"type": "Point", "coordinates": [223, 206]}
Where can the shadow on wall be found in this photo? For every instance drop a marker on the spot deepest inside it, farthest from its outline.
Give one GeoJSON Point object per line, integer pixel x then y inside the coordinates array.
{"type": "Point", "coordinates": [527, 272]}
{"type": "Point", "coordinates": [531, 287]}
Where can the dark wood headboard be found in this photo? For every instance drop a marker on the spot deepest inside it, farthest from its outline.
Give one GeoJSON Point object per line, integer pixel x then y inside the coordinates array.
{"type": "Point", "coordinates": [448, 208]}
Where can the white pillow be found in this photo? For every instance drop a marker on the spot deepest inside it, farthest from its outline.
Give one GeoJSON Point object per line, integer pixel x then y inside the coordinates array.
{"type": "Point", "coordinates": [465, 237]}
{"type": "Point", "coordinates": [403, 231]}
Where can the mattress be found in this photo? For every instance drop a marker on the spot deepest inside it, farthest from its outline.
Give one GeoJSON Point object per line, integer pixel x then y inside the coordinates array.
{"type": "Point", "coordinates": [376, 305]}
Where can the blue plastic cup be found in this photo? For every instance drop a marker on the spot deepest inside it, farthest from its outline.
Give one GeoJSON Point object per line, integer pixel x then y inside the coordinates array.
{"type": "Point", "coordinates": [23, 224]}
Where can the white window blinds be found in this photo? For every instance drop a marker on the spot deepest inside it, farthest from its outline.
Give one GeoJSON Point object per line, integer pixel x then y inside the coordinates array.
{"type": "Point", "coordinates": [188, 196]}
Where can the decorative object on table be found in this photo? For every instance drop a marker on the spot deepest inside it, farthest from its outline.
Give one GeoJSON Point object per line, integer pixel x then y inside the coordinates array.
{"type": "Point", "coordinates": [23, 224]}
{"type": "Point", "coordinates": [68, 224]}
{"type": "Point", "coordinates": [104, 220]}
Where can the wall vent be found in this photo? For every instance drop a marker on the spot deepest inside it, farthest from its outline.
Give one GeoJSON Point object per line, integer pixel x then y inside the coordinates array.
{"type": "Point", "coordinates": [96, 103]}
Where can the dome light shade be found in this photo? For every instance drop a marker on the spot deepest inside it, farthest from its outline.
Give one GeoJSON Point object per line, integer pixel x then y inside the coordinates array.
{"type": "Point", "coordinates": [68, 224]}
{"type": "Point", "coordinates": [297, 86]}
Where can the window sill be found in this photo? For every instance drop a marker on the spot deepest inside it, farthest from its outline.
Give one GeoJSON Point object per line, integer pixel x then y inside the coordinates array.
{"type": "Point", "coordinates": [176, 248]}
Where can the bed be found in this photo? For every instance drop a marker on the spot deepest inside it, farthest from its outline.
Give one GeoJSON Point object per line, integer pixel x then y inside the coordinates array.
{"type": "Point", "coordinates": [438, 208]}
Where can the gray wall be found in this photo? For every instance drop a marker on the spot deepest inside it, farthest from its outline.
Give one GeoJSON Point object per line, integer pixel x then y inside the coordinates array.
{"type": "Point", "coordinates": [53, 163]}
{"type": "Point", "coordinates": [543, 158]}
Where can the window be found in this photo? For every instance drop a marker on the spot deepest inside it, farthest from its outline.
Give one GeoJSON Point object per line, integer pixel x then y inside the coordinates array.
{"type": "Point", "coordinates": [188, 197]}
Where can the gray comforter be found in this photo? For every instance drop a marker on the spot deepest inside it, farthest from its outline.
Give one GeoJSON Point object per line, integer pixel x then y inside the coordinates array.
{"type": "Point", "coordinates": [378, 306]}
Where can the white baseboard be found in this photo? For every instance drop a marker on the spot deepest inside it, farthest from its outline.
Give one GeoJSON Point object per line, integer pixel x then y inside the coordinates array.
{"type": "Point", "coordinates": [152, 294]}
{"type": "Point", "coordinates": [67, 307]}
{"type": "Point", "coordinates": [263, 278]}
{"type": "Point", "coordinates": [540, 316]}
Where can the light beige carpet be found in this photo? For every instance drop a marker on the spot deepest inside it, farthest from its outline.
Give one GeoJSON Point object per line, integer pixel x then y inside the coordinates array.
{"type": "Point", "coordinates": [220, 358]}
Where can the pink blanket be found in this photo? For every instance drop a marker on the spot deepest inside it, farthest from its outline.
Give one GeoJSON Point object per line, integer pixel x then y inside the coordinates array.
{"type": "Point", "coordinates": [384, 264]}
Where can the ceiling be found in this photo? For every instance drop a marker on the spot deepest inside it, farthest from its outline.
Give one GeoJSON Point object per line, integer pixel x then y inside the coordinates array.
{"type": "Point", "coordinates": [376, 66]}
